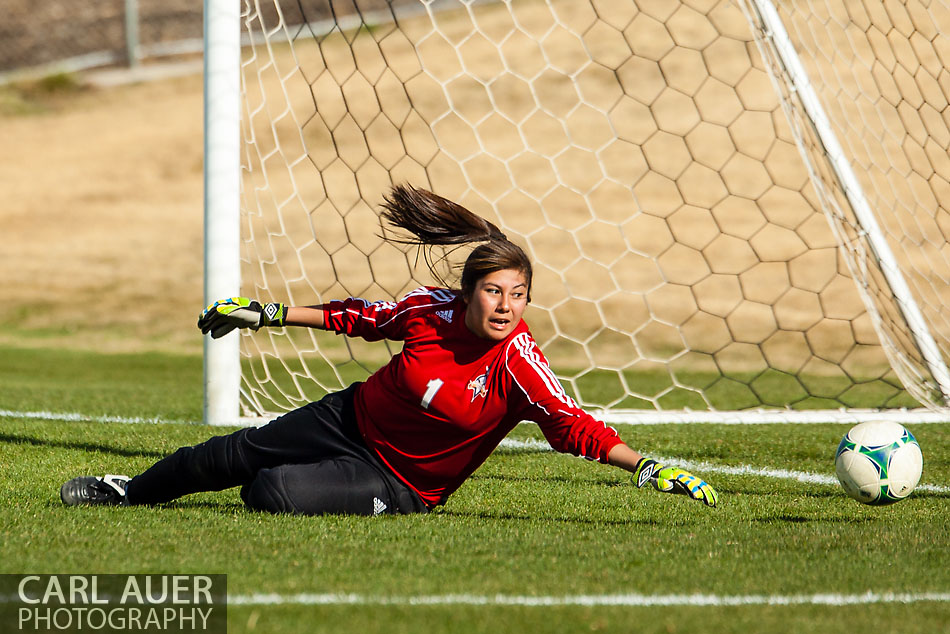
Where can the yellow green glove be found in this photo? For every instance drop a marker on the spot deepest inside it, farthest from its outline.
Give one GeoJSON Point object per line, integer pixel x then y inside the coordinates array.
{"type": "Point", "coordinates": [674, 480]}
{"type": "Point", "coordinates": [225, 315]}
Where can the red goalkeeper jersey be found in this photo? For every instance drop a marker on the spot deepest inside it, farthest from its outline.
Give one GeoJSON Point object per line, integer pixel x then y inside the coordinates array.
{"type": "Point", "coordinates": [439, 408]}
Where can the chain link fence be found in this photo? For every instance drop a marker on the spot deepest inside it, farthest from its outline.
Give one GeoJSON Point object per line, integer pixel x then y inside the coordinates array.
{"type": "Point", "coordinates": [77, 34]}
{"type": "Point", "coordinates": [71, 35]}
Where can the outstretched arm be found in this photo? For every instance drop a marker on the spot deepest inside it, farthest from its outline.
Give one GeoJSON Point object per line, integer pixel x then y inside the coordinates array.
{"type": "Point", "coordinates": [572, 430]}
{"type": "Point", "coordinates": [624, 457]}
{"type": "Point", "coordinates": [663, 478]}
{"type": "Point", "coordinates": [353, 317]}
{"type": "Point", "coordinates": [306, 316]}
{"type": "Point", "coordinates": [225, 315]}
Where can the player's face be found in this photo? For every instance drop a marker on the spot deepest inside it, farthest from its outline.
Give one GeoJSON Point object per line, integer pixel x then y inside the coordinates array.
{"type": "Point", "coordinates": [497, 303]}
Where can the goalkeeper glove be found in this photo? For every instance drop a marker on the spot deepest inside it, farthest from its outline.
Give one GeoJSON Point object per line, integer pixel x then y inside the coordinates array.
{"type": "Point", "coordinates": [674, 480]}
{"type": "Point", "coordinates": [225, 315]}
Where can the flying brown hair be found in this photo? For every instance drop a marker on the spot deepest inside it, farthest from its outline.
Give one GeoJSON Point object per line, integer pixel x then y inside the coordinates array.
{"type": "Point", "coordinates": [432, 220]}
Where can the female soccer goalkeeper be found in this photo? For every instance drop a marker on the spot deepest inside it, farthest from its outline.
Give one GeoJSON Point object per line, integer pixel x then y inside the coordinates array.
{"type": "Point", "coordinates": [407, 438]}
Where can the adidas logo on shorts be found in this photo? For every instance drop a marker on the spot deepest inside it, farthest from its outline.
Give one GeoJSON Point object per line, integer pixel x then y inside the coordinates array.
{"type": "Point", "coordinates": [378, 506]}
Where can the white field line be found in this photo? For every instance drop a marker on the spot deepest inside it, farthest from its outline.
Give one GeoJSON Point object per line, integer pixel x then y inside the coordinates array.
{"type": "Point", "coordinates": [908, 417]}
{"type": "Point", "coordinates": [620, 600]}
{"type": "Point", "coordinates": [581, 600]}
{"type": "Point", "coordinates": [82, 418]}
{"type": "Point", "coordinates": [708, 467]}
{"type": "Point", "coordinates": [613, 417]}
{"type": "Point", "coordinates": [506, 444]}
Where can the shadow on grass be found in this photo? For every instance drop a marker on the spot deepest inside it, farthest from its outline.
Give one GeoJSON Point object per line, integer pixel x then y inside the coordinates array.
{"type": "Point", "coordinates": [227, 508]}
{"type": "Point", "coordinates": [802, 519]}
{"type": "Point", "coordinates": [545, 478]}
{"type": "Point", "coordinates": [827, 492]}
{"type": "Point", "coordinates": [184, 504]}
{"type": "Point", "coordinates": [81, 446]}
{"type": "Point", "coordinates": [581, 521]}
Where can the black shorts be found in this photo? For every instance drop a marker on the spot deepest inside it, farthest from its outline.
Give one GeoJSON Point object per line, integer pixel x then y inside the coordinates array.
{"type": "Point", "coordinates": [310, 461]}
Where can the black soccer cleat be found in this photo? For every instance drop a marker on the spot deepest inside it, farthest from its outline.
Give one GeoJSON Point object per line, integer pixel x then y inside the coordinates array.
{"type": "Point", "coordinates": [91, 490]}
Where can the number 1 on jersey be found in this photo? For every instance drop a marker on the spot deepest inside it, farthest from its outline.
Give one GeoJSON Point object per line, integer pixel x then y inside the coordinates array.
{"type": "Point", "coordinates": [432, 387]}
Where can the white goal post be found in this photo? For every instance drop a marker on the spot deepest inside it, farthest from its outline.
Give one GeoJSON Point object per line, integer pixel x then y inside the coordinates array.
{"type": "Point", "coordinates": [222, 194]}
{"type": "Point", "coordinates": [738, 211]}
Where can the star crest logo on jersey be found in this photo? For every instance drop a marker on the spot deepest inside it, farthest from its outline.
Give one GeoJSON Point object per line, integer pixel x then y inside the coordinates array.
{"type": "Point", "coordinates": [479, 385]}
{"type": "Point", "coordinates": [446, 315]}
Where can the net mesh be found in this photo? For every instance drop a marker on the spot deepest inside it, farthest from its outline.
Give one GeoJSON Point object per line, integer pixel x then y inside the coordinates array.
{"type": "Point", "coordinates": [880, 94]}
{"type": "Point", "coordinates": [640, 153]}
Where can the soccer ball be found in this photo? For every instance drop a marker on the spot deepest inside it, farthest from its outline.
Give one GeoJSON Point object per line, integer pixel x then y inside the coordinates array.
{"type": "Point", "coordinates": [878, 462]}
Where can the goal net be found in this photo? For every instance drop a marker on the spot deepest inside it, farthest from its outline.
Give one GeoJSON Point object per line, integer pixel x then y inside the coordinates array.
{"type": "Point", "coordinates": [724, 223]}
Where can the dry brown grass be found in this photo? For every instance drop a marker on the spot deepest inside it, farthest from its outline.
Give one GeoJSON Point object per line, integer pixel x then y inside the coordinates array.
{"type": "Point", "coordinates": [102, 218]}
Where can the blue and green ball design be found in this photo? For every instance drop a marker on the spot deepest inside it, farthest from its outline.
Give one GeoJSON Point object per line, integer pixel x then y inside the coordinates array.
{"type": "Point", "coordinates": [878, 462]}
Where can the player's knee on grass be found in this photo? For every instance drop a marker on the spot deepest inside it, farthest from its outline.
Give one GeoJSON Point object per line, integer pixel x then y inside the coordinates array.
{"type": "Point", "coordinates": [266, 493]}
{"type": "Point", "coordinates": [339, 486]}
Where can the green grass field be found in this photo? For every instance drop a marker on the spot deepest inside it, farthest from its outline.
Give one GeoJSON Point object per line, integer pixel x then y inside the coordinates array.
{"type": "Point", "coordinates": [534, 541]}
